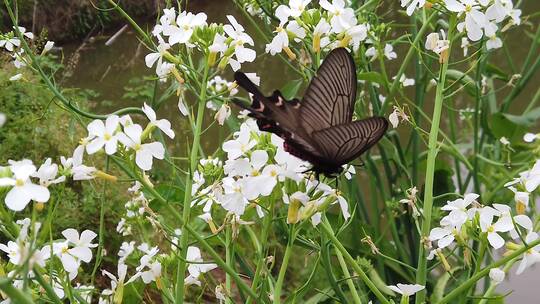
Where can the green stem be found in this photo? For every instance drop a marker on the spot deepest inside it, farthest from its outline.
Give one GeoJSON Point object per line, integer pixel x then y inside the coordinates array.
{"type": "Point", "coordinates": [262, 251]}
{"type": "Point", "coordinates": [408, 57]}
{"type": "Point", "coordinates": [187, 192]}
{"type": "Point", "coordinates": [484, 272]}
{"type": "Point", "coordinates": [350, 282]}
{"type": "Point", "coordinates": [329, 233]}
{"type": "Point", "coordinates": [284, 265]}
{"type": "Point", "coordinates": [421, 274]}
{"type": "Point", "coordinates": [229, 253]}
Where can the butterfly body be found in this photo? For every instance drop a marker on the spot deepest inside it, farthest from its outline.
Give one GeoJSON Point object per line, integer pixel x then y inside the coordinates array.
{"type": "Point", "coordinates": [319, 129]}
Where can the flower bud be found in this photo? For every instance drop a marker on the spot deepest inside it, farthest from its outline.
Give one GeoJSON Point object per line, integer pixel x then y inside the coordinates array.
{"type": "Point", "coordinates": [289, 53]}
{"type": "Point", "coordinates": [105, 176]}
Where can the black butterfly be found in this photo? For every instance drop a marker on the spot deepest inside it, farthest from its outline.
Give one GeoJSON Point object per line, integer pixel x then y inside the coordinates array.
{"type": "Point", "coordinates": [319, 129]}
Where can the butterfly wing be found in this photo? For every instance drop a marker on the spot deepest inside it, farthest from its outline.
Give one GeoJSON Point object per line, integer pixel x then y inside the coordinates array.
{"type": "Point", "coordinates": [330, 97]}
{"type": "Point", "coordinates": [278, 115]}
{"type": "Point", "coordinates": [341, 144]}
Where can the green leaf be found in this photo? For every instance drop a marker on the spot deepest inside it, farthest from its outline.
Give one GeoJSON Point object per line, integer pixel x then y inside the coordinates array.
{"type": "Point", "coordinates": [290, 90]}
{"type": "Point", "coordinates": [464, 80]}
{"type": "Point", "coordinates": [494, 70]}
{"type": "Point", "coordinates": [505, 125]}
{"type": "Point", "coordinates": [526, 120]}
{"type": "Point", "coordinates": [371, 76]}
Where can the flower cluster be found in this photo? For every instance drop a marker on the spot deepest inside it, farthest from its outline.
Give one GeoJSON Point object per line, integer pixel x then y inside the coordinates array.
{"type": "Point", "coordinates": [467, 217]}
{"type": "Point", "coordinates": [256, 164]}
{"type": "Point", "coordinates": [337, 27]}
{"type": "Point", "coordinates": [71, 252]}
{"type": "Point", "coordinates": [477, 18]}
{"type": "Point", "coordinates": [227, 44]}
{"type": "Point", "coordinates": [12, 43]}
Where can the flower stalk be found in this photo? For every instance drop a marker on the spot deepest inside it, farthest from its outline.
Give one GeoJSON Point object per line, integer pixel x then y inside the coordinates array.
{"type": "Point", "coordinates": [421, 274]}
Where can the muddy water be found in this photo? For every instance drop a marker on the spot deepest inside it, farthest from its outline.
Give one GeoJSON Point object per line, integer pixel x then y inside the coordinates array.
{"type": "Point", "coordinates": [108, 69]}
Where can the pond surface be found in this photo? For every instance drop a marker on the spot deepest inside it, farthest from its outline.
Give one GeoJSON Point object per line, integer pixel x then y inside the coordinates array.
{"type": "Point", "coordinates": [108, 69]}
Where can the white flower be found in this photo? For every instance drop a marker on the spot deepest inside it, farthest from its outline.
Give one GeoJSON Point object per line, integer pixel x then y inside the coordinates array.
{"type": "Point", "coordinates": [16, 77]}
{"type": "Point", "coordinates": [458, 210]}
{"type": "Point", "coordinates": [531, 178]}
{"type": "Point", "coordinates": [412, 5]}
{"type": "Point", "coordinates": [47, 174]}
{"type": "Point", "coordinates": [144, 153]}
{"type": "Point", "coordinates": [3, 119]}
{"type": "Point", "coordinates": [349, 171]}
{"type": "Point", "coordinates": [23, 31]}
{"type": "Point", "coordinates": [496, 275]}
{"type": "Point", "coordinates": [81, 244]}
{"type": "Point", "coordinates": [531, 256]}
{"type": "Point", "coordinates": [186, 23]}
{"type": "Point", "coordinates": [342, 17]}
{"type": "Point", "coordinates": [122, 271]}
{"type": "Point", "coordinates": [74, 166]}
{"type": "Point", "coordinates": [295, 9]}
{"type": "Point", "coordinates": [234, 200]}
{"type": "Point", "coordinates": [24, 190]}
{"type": "Point", "coordinates": [486, 225]}
{"type": "Point", "coordinates": [163, 124]}
{"type": "Point", "coordinates": [437, 43]}
{"type": "Point", "coordinates": [162, 68]}
{"type": "Point", "coordinates": [445, 235]}
{"type": "Point", "coordinates": [389, 52]}
{"type": "Point", "coordinates": [406, 289]}
{"type": "Point", "coordinates": [406, 82]}
{"type": "Point", "coordinates": [103, 134]}
{"type": "Point", "coordinates": [281, 40]}
{"type": "Point", "coordinates": [530, 137]}
{"type": "Point", "coordinates": [125, 250]}
{"type": "Point", "coordinates": [474, 19]}
{"type": "Point", "coordinates": [48, 46]}
{"type": "Point", "coordinates": [239, 146]}
{"type": "Point", "coordinates": [503, 140]}
{"type": "Point", "coordinates": [10, 43]}
{"type": "Point", "coordinates": [493, 41]}
{"type": "Point", "coordinates": [222, 114]}
{"type": "Point", "coordinates": [237, 33]}
{"type": "Point", "coordinates": [195, 266]}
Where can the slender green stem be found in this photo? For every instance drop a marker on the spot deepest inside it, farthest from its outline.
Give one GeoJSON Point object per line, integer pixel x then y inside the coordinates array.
{"type": "Point", "coordinates": [229, 253]}
{"type": "Point", "coordinates": [350, 282]}
{"type": "Point", "coordinates": [329, 233]}
{"type": "Point", "coordinates": [408, 57]}
{"type": "Point", "coordinates": [284, 265]}
{"type": "Point", "coordinates": [189, 182]}
{"type": "Point", "coordinates": [262, 251]}
{"type": "Point", "coordinates": [484, 272]}
{"type": "Point", "coordinates": [421, 274]}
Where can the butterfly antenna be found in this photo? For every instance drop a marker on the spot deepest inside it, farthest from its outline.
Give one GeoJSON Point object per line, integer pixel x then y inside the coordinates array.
{"type": "Point", "coordinates": [362, 164]}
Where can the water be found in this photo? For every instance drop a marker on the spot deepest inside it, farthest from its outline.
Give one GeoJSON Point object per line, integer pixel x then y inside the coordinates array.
{"type": "Point", "coordinates": [108, 69]}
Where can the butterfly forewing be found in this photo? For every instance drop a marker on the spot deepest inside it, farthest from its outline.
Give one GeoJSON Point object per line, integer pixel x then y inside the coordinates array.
{"type": "Point", "coordinates": [330, 97]}
{"type": "Point", "coordinates": [343, 143]}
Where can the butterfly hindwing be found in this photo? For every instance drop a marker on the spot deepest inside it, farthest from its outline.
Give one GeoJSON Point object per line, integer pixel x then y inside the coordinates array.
{"type": "Point", "coordinates": [330, 97]}
{"type": "Point", "coordinates": [343, 143]}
